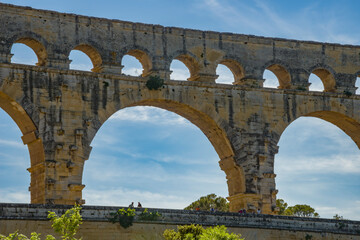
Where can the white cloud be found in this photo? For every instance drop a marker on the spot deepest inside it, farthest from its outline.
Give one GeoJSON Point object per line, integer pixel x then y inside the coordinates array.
{"type": "Point", "coordinates": [14, 196]}
{"type": "Point", "coordinates": [13, 144]}
{"type": "Point", "coordinates": [123, 197]}
{"type": "Point", "coordinates": [149, 114]}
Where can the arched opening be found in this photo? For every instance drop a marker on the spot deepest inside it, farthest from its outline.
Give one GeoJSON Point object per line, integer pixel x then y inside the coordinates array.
{"type": "Point", "coordinates": [136, 63]}
{"type": "Point", "coordinates": [191, 64]}
{"type": "Point", "coordinates": [326, 78]}
{"type": "Point", "coordinates": [86, 58]}
{"type": "Point", "coordinates": [28, 51]}
{"type": "Point", "coordinates": [318, 165]}
{"type": "Point", "coordinates": [270, 79]}
{"type": "Point", "coordinates": [357, 84]}
{"type": "Point", "coordinates": [155, 156]}
{"type": "Point", "coordinates": [34, 144]}
{"type": "Point", "coordinates": [14, 159]}
{"type": "Point", "coordinates": [179, 71]}
{"type": "Point", "coordinates": [316, 84]}
{"type": "Point", "coordinates": [277, 76]}
{"type": "Point", "coordinates": [22, 54]}
{"type": "Point", "coordinates": [229, 72]}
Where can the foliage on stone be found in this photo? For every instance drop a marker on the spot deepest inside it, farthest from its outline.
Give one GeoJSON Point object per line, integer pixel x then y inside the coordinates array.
{"type": "Point", "coordinates": [65, 225]}
{"type": "Point", "coordinates": [282, 205]}
{"type": "Point", "coordinates": [146, 215]}
{"type": "Point", "coordinates": [219, 233]}
{"type": "Point", "coordinates": [188, 232]}
{"type": "Point", "coordinates": [338, 217]}
{"type": "Point", "coordinates": [298, 210]}
{"type": "Point", "coordinates": [205, 203]}
{"type": "Point", "coordinates": [197, 232]}
{"type": "Point", "coordinates": [124, 217]}
{"type": "Point", "coordinates": [154, 83]}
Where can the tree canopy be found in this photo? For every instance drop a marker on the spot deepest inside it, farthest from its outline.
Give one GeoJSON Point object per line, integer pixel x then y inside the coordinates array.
{"type": "Point", "coordinates": [205, 203]}
{"type": "Point", "coordinates": [299, 210]}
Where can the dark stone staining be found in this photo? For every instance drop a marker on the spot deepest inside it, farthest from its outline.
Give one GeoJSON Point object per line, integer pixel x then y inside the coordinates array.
{"type": "Point", "coordinates": [220, 41]}
{"type": "Point", "coordinates": [216, 105]}
{"type": "Point", "coordinates": [231, 112]}
{"type": "Point", "coordinates": [293, 107]}
{"type": "Point", "coordinates": [286, 108]}
{"type": "Point", "coordinates": [116, 96]}
{"type": "Point", "coordinates": [104, 94]}
{"type": "Point", "coordinates": [95, 92]}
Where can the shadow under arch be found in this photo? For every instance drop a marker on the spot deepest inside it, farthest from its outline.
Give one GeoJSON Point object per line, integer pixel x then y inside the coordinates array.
{"type": "Point", "coordinates": [35, 146]}
{"type": "Point", "coordinates": [212, 130]}
{"type": "Point", "coordinates": [93, 54]}
{"type": "Point", "coordinates": [37, 47]}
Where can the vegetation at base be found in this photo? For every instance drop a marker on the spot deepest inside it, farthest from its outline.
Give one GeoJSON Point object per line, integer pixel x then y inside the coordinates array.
{"type": "Point", "coordinates": [299, 210]}
{"type": "Point", "coordinates": [66, 225]}
{"type": "Point", "coordinates": [338, 217]}
{"type": "Point", "coordinates": [146, 215]}
{"type": "Point", "coordinates": [154, 83]}
{"type": "Point", "coordinates": [197, 232]}
{"type": "Point", "coordinates": [124, 217]}
{"type": "Point", "coordinates": [205, 203]}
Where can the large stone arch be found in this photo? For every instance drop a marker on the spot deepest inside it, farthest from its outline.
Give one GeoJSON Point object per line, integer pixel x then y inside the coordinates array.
{"type": "Point", "coordinates": [34, 143]}
{"type": "Point", "coordinates": [211, 126]}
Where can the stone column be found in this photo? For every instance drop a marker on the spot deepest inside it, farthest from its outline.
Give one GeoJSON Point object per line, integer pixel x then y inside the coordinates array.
{"type": "Point", "coordinates": [255, 156]}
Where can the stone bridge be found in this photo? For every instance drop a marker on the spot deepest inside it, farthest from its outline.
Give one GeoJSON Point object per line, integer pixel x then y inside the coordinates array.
{"type": "Point", "coordinates": [59, 110]}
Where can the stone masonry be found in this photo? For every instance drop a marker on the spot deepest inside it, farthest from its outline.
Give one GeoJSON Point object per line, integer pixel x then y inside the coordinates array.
{"type": "Point", "coordinates": [59, 110]}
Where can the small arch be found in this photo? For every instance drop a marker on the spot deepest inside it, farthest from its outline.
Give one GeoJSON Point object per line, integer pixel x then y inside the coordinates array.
{"type": "Point", "coordinates": [315, 83]}
{"type": "Point", "coordinates": [93, 55]}
{"type": "Point", "coordinates": [37, 47]}
{"type": "Point", "coordinates": [357, 83]}
{"type": "Point", "coordinates": [235, 67]}
{"type": "Point", "coordinates": [179, 71]}
{"type": "Point", "coordinates": [144, 59]}
{"type": "Point", "coordinates": [283, 75]}
{"type": "Point", "coordinates": [327, 78]}
{"type": "Point", "coordinates": [191, 63]}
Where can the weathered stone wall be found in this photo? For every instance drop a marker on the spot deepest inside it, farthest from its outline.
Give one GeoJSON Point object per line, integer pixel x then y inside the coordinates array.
{"type": "Point", "coordinates": [28, 218]}
{"type": "Point", "coordinates": [59, 111]}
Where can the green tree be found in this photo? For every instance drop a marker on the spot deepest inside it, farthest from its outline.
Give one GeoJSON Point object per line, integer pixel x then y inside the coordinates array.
{"type": "Point", "coordinates": [205, 203]}
{"type": "Point", "coordinates": [219, 233]}
{"type": "Point", "coordinates": [66, 225]}
{"type": "Point", "coordinates": [197, 232]}
{"type": "Point", "coordinates": [282, 205]}
{"type": "Point", "coordinates": [185, 232]}
{"type": "Point", "coordinates": [338, 217]}
{"type": "Point", "coordinates": [299, 210]}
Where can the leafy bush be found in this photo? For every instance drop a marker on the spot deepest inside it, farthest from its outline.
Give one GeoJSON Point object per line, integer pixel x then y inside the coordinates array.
{"type": "Point", "coordinates": [149, 216]}
{"type": "Point", "coordinates": [197, 232]}
{"type": "Point", "coordinates": [124, 217]}
{"type": "Point", "coordinates": [66, 225]}
{"type": "Point", "coordinates": [154, 83]}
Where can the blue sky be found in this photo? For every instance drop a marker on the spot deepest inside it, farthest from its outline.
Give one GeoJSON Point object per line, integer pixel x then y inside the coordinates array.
{"type": "Point", "coordinates": [156, 157]}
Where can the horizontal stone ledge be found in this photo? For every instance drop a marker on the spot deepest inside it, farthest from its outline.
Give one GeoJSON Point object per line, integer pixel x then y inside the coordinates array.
{"type": "Point", "coordinates": [39, 212]}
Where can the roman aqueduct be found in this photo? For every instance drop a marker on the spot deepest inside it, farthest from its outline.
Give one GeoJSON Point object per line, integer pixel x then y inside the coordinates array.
{"type": "Point", "coordinates": [59, 110]}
